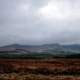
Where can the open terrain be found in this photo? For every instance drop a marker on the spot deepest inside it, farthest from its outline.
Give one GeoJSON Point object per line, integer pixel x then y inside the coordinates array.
{"type": "Point", "coordinates": [44, 69]}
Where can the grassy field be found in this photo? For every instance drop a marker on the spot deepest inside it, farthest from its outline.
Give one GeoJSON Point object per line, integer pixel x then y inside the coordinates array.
{"type": "Point", "coordinates": [44, 69]}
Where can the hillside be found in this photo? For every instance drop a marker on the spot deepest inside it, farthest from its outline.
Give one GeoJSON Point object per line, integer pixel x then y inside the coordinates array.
{"type": "Point", "coordinates": [40, 51]}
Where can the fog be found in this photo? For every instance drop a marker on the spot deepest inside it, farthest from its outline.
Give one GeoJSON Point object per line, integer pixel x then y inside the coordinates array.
{"type": "Point", "coordinates": [39, 21]}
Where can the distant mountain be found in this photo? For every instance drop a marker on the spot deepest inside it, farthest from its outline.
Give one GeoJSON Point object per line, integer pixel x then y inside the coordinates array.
{"type": "Point", "coordinates": [50, 48]}
{"type": "Point", "coordinates": [34, 48]}
{"type": "Point", "coordinates": [16, 46]}
{"type": "Point", "coordinates": [40, 51]}
{"type": "Point", "coordinates": [73, 46]}
{"type": "Point", "coordinates": [29, 46]}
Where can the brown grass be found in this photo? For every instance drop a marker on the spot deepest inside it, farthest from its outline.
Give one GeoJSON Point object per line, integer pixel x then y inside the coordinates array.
{"type": "Point", "coordinates": [17, 69]}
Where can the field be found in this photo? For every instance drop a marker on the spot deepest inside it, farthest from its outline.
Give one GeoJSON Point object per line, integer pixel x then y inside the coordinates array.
{"type": "Point", "coordinates": [44, 69]}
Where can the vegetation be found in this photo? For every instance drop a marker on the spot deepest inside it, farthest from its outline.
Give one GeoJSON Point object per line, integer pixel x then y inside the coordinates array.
{"type": "Point", "coordinates": [36, 55]}
{"type": "Point", "coordinates": [54, 69]}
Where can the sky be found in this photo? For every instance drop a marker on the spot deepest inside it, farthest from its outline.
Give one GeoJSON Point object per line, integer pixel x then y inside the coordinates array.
{"type": "Point", "coordinates": [39, 22]}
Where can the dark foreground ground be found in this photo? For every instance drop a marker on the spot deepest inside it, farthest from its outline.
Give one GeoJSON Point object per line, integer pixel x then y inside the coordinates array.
{"type": "Point", "coordinates": [44, 69]}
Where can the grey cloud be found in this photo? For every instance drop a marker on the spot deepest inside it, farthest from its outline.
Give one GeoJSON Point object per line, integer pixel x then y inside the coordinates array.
{"type": "Point", "coordinates": [20, 22]}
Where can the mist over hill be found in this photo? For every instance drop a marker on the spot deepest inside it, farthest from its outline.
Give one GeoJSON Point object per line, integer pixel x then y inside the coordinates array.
{"type": "Point", "coordinates": [40, 51]}
{"type": "Point", "coordinates": [44, 47]}
{"type": "Point", "coordinates": [34, 47]}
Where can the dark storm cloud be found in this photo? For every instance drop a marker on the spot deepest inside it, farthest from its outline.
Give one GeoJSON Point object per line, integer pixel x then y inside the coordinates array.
{"type": "Point", "coordinates": [39, 21]}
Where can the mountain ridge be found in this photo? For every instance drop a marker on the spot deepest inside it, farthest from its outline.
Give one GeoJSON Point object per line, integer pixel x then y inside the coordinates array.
{"type": "Point", "coordinates": [45, 47]}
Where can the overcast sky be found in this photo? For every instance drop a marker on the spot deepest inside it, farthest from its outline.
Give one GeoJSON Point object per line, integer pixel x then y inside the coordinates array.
{"type": "Point", "coordinates": [39, 21]}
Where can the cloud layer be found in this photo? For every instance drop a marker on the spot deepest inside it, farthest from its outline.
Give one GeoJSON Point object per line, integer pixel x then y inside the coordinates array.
{"type": "Point", "coordinates": [39, 21]}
